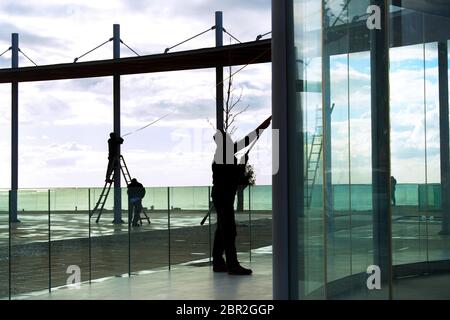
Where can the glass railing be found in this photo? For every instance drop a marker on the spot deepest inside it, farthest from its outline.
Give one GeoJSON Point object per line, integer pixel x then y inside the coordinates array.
{"type": "Point", "coordinates": [4, 246]}
{"type": "Point", "coordinates": [59, 242]}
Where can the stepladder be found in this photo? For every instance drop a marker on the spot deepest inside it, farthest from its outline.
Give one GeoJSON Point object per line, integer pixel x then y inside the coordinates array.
{"type": "Point", "coordinates": [140, 219]}
{"type": "Point", "coordinates": [100, 204]}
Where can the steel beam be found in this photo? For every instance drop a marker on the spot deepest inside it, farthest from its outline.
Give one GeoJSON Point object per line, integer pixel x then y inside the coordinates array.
{"type": "Point", "coordinates": [238, 54]}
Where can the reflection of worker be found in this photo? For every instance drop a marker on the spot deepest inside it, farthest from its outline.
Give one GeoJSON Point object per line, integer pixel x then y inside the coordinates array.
{"type": "Point", "coordinates": [114, 142]}
{"type": "Point", "coordinates": [227, 174]}
{"type": "Point", "coordinates": [393, 186]}
{"type": "Point", "coordinates": [136, 192]}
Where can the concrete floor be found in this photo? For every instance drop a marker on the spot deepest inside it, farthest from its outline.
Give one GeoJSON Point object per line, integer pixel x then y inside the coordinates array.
{"type": "Point", "coordinates": [431, 287]}
{"type": "Point", "coordinates": [188, 281]}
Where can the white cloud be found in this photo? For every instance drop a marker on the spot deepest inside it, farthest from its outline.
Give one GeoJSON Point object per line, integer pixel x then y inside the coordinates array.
{"type": "Point", "coordinates": [64, 124]}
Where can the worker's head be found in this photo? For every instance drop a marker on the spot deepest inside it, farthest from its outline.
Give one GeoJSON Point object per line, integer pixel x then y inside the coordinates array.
{"type": "Point", "coordinates": [112, 134]}
{"type": "Point", "coordinates": [133, 180]}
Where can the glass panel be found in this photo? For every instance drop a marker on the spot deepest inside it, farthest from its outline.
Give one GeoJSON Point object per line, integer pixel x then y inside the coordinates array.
{"type": "Point", "coordinates": [333, 114]}
{"type": "Point", "coordinates": [346, 73]}
{"type": "Point", "coordinates": [261, 218]}
{"type": "Point", "coordinates": [360, 166]}
{"type": "Point", "coordinates": [189, 240]}
{"type": "Point", "coordinates": [407, 150]}
{"type": "Point", "coordinates": [416, 140]}
{"type": "Point", "coordinates": [339, 219]}
{"type": "Point", "coordinates": [308, 114]}
{"type": "Point", "coordinates": [4, 244]}
{"type": "Point", "coordinates": [29, 243]}
{"type": "Point", "coordinates": [150, 242]}
{"type": "Point", "coordinates": [69, 235]}
{"type": "Point", "coordinates": [430, 204]}
{"type": "Point", "coordinates": [243, 227]}
{"type": "Point", "coordinates": [109, 242]}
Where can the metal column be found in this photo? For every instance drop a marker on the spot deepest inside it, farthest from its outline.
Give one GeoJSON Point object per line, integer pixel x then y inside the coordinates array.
{"type": "Point", "coordinates": [116, 102]}
{"type": "Point", "coordinates": [219, 73]}
{"type": "Point", "coordinates": [444, 135]}
{"type": "Point", "coordinates": [283, 88]}
{"type": "Point", "coordinates": [14, 129]}
{"type": "Point", "coordinates": [381, 157]}
{"type": "Point", "coordinates": [326, 116]}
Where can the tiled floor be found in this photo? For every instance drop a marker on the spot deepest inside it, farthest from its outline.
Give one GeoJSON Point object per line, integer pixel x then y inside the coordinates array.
{"type": "Point", "coordinates": [183, 282]}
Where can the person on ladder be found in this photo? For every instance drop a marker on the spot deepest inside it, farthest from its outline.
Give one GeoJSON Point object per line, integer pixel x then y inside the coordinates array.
{"type": "Point", "coordinates": [113, 157]}
{"type": "Point", "coordinates": [136, 192]}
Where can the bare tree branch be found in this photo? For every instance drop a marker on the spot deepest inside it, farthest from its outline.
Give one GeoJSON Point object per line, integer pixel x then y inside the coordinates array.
{"type": "Point", "coordinates": [232, 110]}
{"type": "Point", "coordinates": [242, 111]}
{"type": "Point", "coordinates": [237, 101]}
{"type": "Point", "coordinates": [210, 123]}
{"type": "Point", "coordinates": [227, 102]}
{"type": "Point", "coordinates": [231, 105]}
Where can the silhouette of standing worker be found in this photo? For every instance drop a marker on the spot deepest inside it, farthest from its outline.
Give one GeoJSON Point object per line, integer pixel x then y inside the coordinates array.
{"type": "Point", "coordinates": [393, 187]}
{"type": "Point", "coordinates": [113, 157]}
{"type": "Point", "coordinates": [227, 175]}
{"type": "Point", "coordinates": [136, 192]}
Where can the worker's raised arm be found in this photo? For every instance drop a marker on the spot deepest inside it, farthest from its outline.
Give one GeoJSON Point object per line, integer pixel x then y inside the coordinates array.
{"type": "Point", "coordinates": [252, 136]}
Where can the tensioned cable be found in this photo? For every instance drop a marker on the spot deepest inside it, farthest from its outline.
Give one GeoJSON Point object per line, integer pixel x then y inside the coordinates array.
{"type": "Point", "coordinates": [262, 35]}
{"type": "Point", "coordinates": [224, 30]}
{"type": "Point", "coordinates": [234, 73]}
{"type": "Point", "coordinates": [240, 69]}
{"type": "Point", "coordinates": [27, 57]}
{"type": "Point", "coordinates": [76, 59]}
{"type": "Point", "coordinates": [148, 125]}
{"type": "Point", "coordinates": [243, 67]}
{"type": "Point", "coordinates": [193, 37]}
{"type": "Point", "coordinates": [164, 116]}
{"type": "Point", "coordinates": [5, 51]}
{"type": "Point", "coordinates": [121, 41]}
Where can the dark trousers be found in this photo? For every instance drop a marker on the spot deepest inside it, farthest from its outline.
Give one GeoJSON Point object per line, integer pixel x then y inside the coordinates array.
{"type": "Point", "coordinates": [112, 162]}
{"type": "Point", "coordinates": [135, 206]}
{"type": "Point", "coordinates": [225, 236]}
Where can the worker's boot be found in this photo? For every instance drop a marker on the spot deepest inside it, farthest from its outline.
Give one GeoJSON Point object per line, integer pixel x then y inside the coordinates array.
{"type": "Point", "coordinates": [219, 265]}
{"type": "Point", "coordinates": [238, 270]}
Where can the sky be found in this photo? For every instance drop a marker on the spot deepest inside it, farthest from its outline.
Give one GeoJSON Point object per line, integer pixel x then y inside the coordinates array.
{"type": "Point", "coordinates": [414, 103]}
{"type": "Point", "coordinates": [414, 116]}
{"type": "Point", "coordinates": [64, 125]}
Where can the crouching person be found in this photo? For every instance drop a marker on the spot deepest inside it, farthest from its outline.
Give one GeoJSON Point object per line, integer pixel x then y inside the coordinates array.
{"type": "Point", "coordinates": [136, 192]}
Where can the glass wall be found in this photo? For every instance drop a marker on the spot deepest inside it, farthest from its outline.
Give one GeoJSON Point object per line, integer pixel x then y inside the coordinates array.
{"type": "Point", "coordinates": [369, 129]}
{"type": "Point", "coordinates": [57, 241]}
{"type": "Point", "coordinates": [30, 249]}
{"type": "Point", "coordinates": [419, 245]}
{"type": "Point", "coordinates": [309, 132]}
